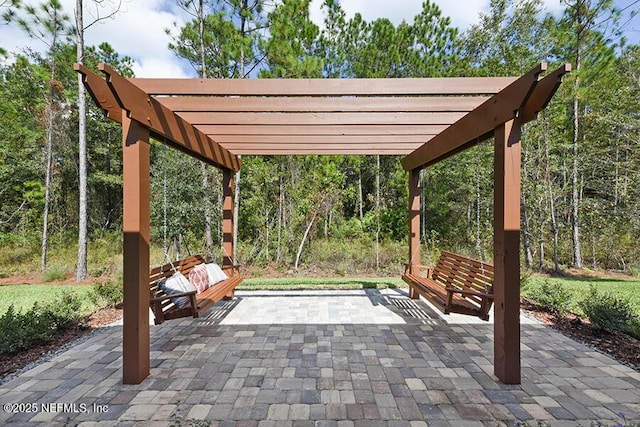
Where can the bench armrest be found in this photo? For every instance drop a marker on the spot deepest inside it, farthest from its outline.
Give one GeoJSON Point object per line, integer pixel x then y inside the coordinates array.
{"type": "Point", "coordinates": [416, 268]}
{"type": "Point", "coordinates": [469, 292]}
{"type": "Point", "coordinates": [164, 297]}
{"type": "Point", "coordinates": [232, 268]}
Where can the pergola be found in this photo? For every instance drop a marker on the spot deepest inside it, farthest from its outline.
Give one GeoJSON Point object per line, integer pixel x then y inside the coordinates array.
{"type": "Point", "coordinates": [425, 119]}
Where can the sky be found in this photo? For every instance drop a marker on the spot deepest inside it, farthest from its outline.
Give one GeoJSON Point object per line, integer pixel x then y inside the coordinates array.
{"type": "Point", "coordinates": [138, 30]}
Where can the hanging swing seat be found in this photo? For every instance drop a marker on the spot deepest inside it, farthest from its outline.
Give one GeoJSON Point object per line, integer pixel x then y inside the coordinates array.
{"type": "Point", "coordinates": [163, 305]}
{"type": "Point", "coordinates": [456, 284]}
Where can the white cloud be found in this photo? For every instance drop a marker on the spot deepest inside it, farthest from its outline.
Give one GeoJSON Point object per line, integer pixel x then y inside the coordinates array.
{"type": "Point", "coordinates": [463, 14]}
{"type": "Point", "coordinates": [138, 31]}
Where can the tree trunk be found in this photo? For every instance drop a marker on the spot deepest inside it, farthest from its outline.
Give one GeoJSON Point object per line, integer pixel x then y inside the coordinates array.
{"type": "Point", "coordinates": [360, 201]}
{"type": "Point", "coordinates": [575, 198]}
{"type": "Point", "coordinates": [280, 218]}
{"type": "Point", "coordinates": [304, 239]}
{"type": "Point", "coordinates": [47, 187]}
{"type": "Point", "coordinates": [526, 236]}
{"type": "Point", "coordinates": [575, 192]}
{"type": "Point", "coordinates": [208, 234]}
{"type": "Point", "coordinates": [541, 249]}
{"type": "Point", "coordinates": [377, 212]}
{"type": "Point", "coordinates": [48, 156]}
{"type": "Point", "coordinates": [236, 197]}
{"type": "Point", "coordinates": [83, 226]}
{"type": "Point", "coordinates": [552, 204]}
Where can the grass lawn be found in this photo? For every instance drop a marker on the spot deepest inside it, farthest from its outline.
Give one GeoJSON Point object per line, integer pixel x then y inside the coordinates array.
{"type": "Point", "coordinates": [579, 287]}
{"type": "Point", "coordinates": [23, 296]}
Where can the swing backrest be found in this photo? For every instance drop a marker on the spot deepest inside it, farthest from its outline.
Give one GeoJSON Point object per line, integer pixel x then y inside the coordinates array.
{"type": "Point", "coordinates": [456, 271]}
{"type": "Point", "coordinates": [184, 266]}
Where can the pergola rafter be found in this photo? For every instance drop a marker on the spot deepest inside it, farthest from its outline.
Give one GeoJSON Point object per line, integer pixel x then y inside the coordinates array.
{"type": "Point", "coordinates": [428, 120]}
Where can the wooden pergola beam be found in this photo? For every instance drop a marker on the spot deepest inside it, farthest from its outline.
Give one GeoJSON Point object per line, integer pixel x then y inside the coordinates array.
{"type": "Point", "coordinates": [324, 87]}
{"type": "Point", "coordinates": [542, 93]}
{"type": "Point", "coordinates": [136, 228]}
{"type": "Point", "coordinates": [506, 251]}
{"type": "Point", "coordinates": [311, 130]}
{"type": "Point", "coordinates": [321, 119]}
{"type": "Point", "coordinates": [335, 150]}
{"type": "Point", "coordinates": [163, 123]}
{"type": "Point", "coordinates": [160, 119]}
{"type": "Point", "coordinates": [100, 92]}
{"type": "Point", "coordinates": [262, 104]}
{"type": "Point", "coordinates": [478, 124]}
{"type": "Point", "coordinates": [322, 144]}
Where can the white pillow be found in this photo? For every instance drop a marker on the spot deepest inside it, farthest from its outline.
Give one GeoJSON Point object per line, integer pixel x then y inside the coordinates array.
{"type": "Point", "coordinates": [216, 274]}
{"type": "Point", "coordinates": [177, 284]}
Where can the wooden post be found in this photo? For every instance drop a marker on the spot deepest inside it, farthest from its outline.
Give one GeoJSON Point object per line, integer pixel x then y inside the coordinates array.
{"type": "Point", "coordinates": [414, 223]}
{"type": "Point", "coordinates": [506, 252]}
{"type": "Point", "coordinates": [136, 236]}
{"type": "Point", "coordinates": [227, 219]}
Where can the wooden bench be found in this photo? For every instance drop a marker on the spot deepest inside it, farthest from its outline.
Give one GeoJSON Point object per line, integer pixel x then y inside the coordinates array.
{"type": "Point", "coordinates": [456, 284]}
{"type": "Point", "coordinates": [162, 306]}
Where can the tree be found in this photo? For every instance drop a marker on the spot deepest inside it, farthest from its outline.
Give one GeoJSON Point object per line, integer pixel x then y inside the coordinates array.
{"type": "Point", "coordinates": [21, 187]}
{"type": "Point", "coordinates": [509, 40]}
{"type": "Point", "coordinates": [212, 46]}
{"type": "Point", "coordinates": [220, 44]}
{"type": "Point", "coordinates": [8, 9]}
{"type": "Point", "coordinates": [582, 43]}
{"type": "Point", "coordinates": [208, 42]}
{"type": "Point", "coordinates": [290, 49]}
{"type": "Point", "coordinates": [356, 48]}
{"type": "Point", "coordinates": [83, 225]}
{"type": "Point", "coordinates": [48, 24]}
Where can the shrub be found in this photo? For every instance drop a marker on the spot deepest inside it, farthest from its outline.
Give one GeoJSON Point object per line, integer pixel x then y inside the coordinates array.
{"type": "Point", "coordinates": [55, 273]}
{"type": "Point", "coordinates": [38, 324]}
{"type": "Point", "coordinates": [553, 297]}
{"type": "Point", "coordinates": [107, 294]}
{"type": "Point", "coordinates": [608, 311]}
{"type": "Point", "coordinates": [64, 311]}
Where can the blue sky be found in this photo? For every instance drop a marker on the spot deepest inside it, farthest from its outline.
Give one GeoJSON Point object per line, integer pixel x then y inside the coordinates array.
{"type": "Point", "coordinates": [139, 29]}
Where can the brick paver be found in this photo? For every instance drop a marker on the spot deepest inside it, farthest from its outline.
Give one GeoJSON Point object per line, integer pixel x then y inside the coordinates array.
{"type": "Point", "coordinates": [325, 358]}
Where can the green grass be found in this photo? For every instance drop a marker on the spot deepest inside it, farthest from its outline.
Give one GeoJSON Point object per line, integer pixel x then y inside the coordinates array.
{"type": "Point", "coordinates": [296, 283]}
{"type": "Point", "coordinates": [579, 288]}
{"type": "Point", "coordinates": [23, 296]}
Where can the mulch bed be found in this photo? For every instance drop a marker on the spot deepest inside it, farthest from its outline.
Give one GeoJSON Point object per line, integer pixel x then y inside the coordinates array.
{"type": "Point", "coordinates": [15, 362]}
{"type": "Point", "coordinates": [621, 346]}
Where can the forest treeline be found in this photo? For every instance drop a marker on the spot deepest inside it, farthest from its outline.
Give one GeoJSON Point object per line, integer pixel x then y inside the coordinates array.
{"type": "Point", "coordinates": [60, 179]}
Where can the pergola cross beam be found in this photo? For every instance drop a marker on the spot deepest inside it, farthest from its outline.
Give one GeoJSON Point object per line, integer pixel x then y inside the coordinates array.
{"type": "Point", "coordinates": [324, 87]}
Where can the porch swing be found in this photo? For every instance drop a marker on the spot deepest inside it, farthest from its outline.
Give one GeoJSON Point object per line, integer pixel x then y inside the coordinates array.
{"type": "Point", "coordinates": [456, 284]}
{"type": "Point", "coordinates": [188, 286]}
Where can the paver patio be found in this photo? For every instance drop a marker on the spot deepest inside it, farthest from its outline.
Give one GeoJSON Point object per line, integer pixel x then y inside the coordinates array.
{"type": "Point", "coordinates": [325, 358]}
